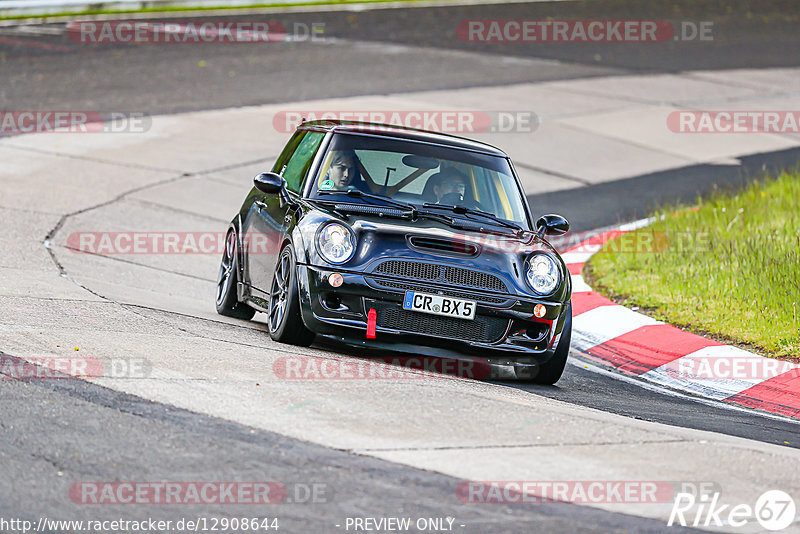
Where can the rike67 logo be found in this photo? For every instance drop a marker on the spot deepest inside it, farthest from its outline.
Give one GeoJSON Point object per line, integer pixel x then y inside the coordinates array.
{"type": "Point", "coordinates": [774, 510]}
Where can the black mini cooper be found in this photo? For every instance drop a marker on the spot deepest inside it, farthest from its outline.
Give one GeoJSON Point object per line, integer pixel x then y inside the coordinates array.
{"type": "Point", "coordinates": [394, 238]}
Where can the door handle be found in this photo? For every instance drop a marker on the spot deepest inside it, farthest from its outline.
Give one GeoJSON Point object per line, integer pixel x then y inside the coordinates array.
{"type": "Point", "coordinates": [260, 204]}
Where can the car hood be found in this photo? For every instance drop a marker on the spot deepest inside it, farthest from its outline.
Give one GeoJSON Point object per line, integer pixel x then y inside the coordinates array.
{"type": "Point", "coordinates": [381, 239]}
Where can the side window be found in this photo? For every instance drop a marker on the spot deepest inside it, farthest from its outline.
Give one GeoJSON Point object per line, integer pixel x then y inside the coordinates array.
{"type": "Point", "coordinates": [288, 150]}
{"type": "Point", "coordinates": [300, 161]}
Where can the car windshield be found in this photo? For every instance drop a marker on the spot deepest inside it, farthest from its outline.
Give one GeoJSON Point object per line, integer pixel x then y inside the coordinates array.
{"type": "Point", "coordinates": [418, 173]}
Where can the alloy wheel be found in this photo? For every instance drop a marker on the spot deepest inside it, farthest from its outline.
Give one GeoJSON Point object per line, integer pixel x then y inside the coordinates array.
{"type": "Point", "coordinates": [280, 292]}
{"type": "Point", "coordinates": [226, 267]}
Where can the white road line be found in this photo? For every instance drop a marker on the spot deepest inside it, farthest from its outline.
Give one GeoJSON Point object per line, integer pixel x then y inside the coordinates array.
{"type": "Point", "coordinates": [718, 372]}
{"type": "Point", "coordinates": [605, 323]}
{"type": "Point", "coordinates": [578, 361]}
{"type": "Point", "coordinates": [635, 225]}
{"type": "Point", "coordinates": [576, 257]}
{"type": "Point", "coordinates": [579, 285]}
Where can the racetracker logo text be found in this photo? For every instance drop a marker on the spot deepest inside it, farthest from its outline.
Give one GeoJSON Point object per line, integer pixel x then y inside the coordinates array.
{"type": "Point", "coordinates": [75, 367]}
{"type": "Point", "coordinates": [190, 32]}
{"type": "Point", "coordinates": [177, 493]}
{"type": "Point", "coordinates": [583, 31]}
{"type": "Point", "coordinates": [115, 243]}
{"type": "Point", "coordinates": [383, 368]}
{"type": "Point", "coordinates": [738, 121]}
{"type": "Point", "coordinates": [639, 242]}
{"type": "Point", "coordinates": [582, 491]}
{"type": "Point", "coordinates": [446, 121]}
{"type": "Point", "coordinates": [719, 362]}
{"type": "Point", "coordinates": [43, 121]}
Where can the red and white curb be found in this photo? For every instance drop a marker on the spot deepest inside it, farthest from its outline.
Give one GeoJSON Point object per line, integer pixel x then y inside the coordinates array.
{"type": "Point", "coordinates": [650, 350]}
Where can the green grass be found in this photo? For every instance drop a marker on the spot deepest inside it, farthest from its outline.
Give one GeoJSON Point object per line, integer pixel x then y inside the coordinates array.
{"type": "Point", "coordinates": [729, 267]}
{"type": "Point", "coordinates": [170, 9]}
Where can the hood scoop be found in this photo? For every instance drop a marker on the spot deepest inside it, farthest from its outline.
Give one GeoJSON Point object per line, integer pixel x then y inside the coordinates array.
{"type": "Point", "coordinates": [446, 247]}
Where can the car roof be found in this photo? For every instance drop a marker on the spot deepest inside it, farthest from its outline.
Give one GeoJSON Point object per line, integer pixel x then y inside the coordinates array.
{"type": "Point", "coordinates": [401, 132]}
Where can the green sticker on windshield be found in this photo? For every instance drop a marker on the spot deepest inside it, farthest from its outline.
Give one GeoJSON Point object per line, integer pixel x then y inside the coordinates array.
{"type": "Point", "coordinates": [326, 184]}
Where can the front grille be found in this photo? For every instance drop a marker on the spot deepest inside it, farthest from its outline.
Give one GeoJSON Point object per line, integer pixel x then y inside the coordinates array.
{"type": "Point", "coordinates": [483, 329]}
{"type": "Point", "coordinates": [411, 269]}
{"type": "Point", "coordinates": [466, 277]}
{"type": "Point", "coordinates": [436, 291]}
{"type": "Point", "coordinates": [445, 274]}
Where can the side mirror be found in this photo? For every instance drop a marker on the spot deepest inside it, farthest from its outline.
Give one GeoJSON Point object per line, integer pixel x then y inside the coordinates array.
{"type": "Point", "coordinates": [552, 224]}
{"type": "Point", "coordinates": [269, 183]}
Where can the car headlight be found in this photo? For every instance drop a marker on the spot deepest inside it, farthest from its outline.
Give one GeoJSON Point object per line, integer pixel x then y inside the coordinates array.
{"type": "Point", "coordinates": [542, 274]}
{"type": "Point", "coordinates": [336, 243]}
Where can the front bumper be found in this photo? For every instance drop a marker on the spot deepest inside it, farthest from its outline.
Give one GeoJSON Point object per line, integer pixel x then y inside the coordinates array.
{"type": "Point", "coordinates": [504, 329]}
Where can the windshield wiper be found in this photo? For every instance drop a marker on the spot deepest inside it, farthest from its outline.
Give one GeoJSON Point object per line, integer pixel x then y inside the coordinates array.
{"type": "Point", "coordinates": [329, 205]}
{"type": "Point", "coordinates": [463, 210]}
{"type": "Point", "coordinates": [413, 212]}
{"type": "Point", "coordinates": [460, 224]}
{"type": "Point", "coordinates": [357, 193]}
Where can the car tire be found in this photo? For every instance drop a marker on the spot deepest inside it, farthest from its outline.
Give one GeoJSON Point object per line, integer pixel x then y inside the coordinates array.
{"type": "Point", "coordinates": [227, 300]}
{"type": "Point", "coordinates": [550, 371]}
{"type": "Point", "coordinates": [283, 317]}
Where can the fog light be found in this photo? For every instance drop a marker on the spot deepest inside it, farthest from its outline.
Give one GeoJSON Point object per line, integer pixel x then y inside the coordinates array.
{"type": "Point", "coordinates": [332, 302]}
{"type": "Point", "coordinates": [335, 280]}
{"type": "Point", "coordinates": [539, 311]}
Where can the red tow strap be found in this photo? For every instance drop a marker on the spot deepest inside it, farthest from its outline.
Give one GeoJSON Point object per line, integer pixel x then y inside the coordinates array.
{"type": "Point", "coordinates": [372, 318]}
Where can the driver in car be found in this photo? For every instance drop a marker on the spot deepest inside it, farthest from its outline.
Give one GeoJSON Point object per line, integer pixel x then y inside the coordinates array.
{"type": "Point", "coordinates": [450, 186]}
{"type": "Point", "coordinates": [342, 172]}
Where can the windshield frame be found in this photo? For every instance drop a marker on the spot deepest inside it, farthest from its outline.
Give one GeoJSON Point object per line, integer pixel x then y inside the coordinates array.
{"type": "Point", "coordinates": [328, 142]}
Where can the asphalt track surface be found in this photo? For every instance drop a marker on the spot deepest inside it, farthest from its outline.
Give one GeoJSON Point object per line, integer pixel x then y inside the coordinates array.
{"type": "Point", "coordinates": [78, 430]}
{"type": "Point", "coordinates": [67, 430]}
{"type": "Point", "coordinates": [44, 71]}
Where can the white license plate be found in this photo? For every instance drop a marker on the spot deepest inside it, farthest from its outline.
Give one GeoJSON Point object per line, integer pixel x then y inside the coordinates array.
{"type": "Point", "coordinates": [439, 305]}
